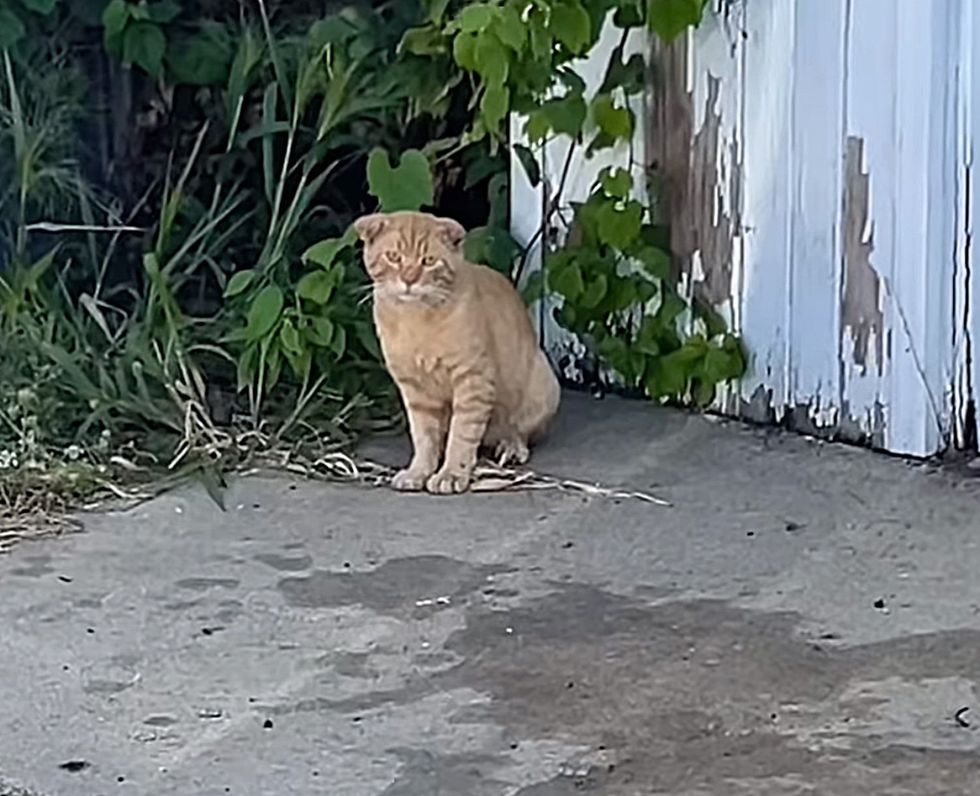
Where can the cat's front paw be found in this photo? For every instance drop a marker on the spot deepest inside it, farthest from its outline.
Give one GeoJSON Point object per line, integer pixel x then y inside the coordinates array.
{"type": "Point", "coordinates": [449, 483]}
{"type": "Point", "coordinates": [409, 480]}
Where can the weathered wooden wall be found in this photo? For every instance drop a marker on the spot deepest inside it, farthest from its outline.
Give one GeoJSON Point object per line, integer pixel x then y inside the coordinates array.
{"type": "Point", "coordinates": [818, 160]}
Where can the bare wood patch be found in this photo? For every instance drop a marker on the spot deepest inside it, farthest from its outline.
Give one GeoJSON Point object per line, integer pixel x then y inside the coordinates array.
{"type": "Point", "coordinates": [693, 179]}
{"type": "Point", "coordinates": [861, 313]}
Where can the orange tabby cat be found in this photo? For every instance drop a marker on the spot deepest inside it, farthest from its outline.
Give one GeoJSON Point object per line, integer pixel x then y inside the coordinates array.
{"type": "Point", "coordinates": [459, 344]}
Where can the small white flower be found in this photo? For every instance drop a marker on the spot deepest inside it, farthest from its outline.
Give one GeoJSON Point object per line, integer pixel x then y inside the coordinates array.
{"type": "Point", "coordinates": [73, 452]}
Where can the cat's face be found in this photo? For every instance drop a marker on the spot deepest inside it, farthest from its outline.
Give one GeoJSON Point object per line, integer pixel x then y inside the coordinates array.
{"type": "Point", "coordinates": [412, 257]}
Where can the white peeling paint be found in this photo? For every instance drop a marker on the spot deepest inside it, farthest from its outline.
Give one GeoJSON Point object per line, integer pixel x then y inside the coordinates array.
{"type": "Point", "coordinates": [793, 86]}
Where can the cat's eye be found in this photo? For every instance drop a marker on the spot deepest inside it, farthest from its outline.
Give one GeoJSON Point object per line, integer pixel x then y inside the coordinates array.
{"type": "Point", "coordinates": [393, 257]}
{"type": "Point", "coordinates": [428, 261]}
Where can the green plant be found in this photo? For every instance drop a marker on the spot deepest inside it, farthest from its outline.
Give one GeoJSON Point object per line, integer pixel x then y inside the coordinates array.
{"type": "Point", "coordinates": [18, 17]}
{"type": "Point", "coordinates": [216, 309]}
{"type": "Point", "coordinates": [134, 32]}
{"type": "Point", "coordinates": [630, 316]}
{"type": "Point", "coordinates": [611, 276]}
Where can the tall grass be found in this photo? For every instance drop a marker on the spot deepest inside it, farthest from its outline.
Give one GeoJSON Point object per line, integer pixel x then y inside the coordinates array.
{"type": "Point", "coordinates": [118, 355]}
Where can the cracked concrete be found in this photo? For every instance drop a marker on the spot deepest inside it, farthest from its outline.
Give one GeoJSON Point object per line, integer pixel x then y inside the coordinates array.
{"type": "Point", "coordinates": [805, 619]}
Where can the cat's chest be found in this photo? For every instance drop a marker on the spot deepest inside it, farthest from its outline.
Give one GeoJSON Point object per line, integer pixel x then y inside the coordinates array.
{"type": "Point", "coordinates": [415, 352]}
{"type": "Point", "coordinates": [418, 359]}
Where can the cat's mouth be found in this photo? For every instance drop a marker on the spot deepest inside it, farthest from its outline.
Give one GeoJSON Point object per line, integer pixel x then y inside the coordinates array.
{"type": "Point", "coordinates": [414, 294]}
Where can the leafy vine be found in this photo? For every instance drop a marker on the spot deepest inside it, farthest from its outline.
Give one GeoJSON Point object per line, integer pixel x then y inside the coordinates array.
{"type": "Point", "coordinates": [611, 278]}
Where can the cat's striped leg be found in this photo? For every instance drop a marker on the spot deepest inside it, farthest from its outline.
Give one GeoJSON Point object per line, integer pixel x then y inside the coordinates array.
{"type": "Point", "coordinates": [427, 421]}
{"type": "Point", "coordinates": [473, 403]}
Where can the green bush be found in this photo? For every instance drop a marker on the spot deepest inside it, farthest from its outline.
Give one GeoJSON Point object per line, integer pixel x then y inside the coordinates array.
{"type": "Point", "coordinates": [195, 296]}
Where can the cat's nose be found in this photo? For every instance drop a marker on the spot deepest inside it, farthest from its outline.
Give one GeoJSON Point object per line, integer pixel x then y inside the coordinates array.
{"type": "Point", "coordinates": [409, 278]}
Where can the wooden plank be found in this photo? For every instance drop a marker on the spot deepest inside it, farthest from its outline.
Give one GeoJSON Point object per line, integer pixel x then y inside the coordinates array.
{"type": "Point", "coordinates": [967, 282]}
{"type": "Point", "coordinates": [868, 224]}
{"type": "Point", "coordinates": [924, 426]}
{"type": "Point", "coordinates": [919, 286]}
{"type": "Point", "coordinates": [766, 170]}
{"type": "Point", "coordinates": [816, 176]}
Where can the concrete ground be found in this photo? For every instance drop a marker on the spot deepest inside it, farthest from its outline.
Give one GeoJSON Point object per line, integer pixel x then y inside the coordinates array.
{"type": "Point", "coordinates": [805, 619]}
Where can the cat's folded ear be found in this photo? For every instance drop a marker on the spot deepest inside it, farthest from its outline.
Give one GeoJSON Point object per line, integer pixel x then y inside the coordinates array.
{"type": "Point", "coordinates": [369, 227]}
{"type": "Point", "coordinates": [451, 231]}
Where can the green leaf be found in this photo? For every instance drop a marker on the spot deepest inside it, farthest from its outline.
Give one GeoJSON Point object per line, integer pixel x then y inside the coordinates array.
{"type": "Point", "coordinates": [671, 307]}
{"type": "Point", "coordinates": [269, 99]}
{"type": "Point", "coordinates": [630, 76]}
{"type": "Point", "coordinates": [436, 9]}
{"type": "Point", "coordinates": [509, 29]}
{"type": "Point", "coordinates": [645, 289]}
{"type": "Point", "coordinates": [40, 6]}
{"type": "Point", "coordinates": [264, 312]}
{"type": "Point", "coordinates": [613, 121]}
{"type": "Point", "coordinates": [300, 362]}
{"type": "Point", "coordinates": [567, 281]}
{"type": "Point", "coordinates": [616, 182]}
{"type": "Point", "coordinates": [494, 106]}
{"type": "Point", "coordinates": [427, 40]}
{"type": "Point", "coordinates": [629, 14]}
{"type": "Point", "coordinates": [491, 59]}
{"type": "Point", "coordinates": [339, 343]}
{"type": "Point", "coordinates": [163, 11]}
{"type": "Point", "coordinates": [704, 393]}
{"type": "Point", "coordinates": [151, 263]}
{"type": "Point", "coordinates": [564, 116]}
{"type": "Point", "coordinates": [492, 246]}
{"type": "Point", "coordinates": [623, 295]}
{"type": "Point", "coordinates": [595, 292]}
{"type": "Point", "coordinates": [114, 18]}
{"type": "Point", "coordinates": [203, 59]}
{"type": "Point", "coordinates": [474, 18]}
{"type": "Point", "coordinates": [464, 51]}
{"type": "Point", "coordinates": [325, 252]}
{"type": "Point", "coordinates": [713, 320]}
{"type": "Point", "coordinates": [542, 43]}
{"type": "Point", "coordinates": [571, 25]}
{"type": "Point", "coordinates": [532, 168]}
{"type": "Point", "coordinates": [144, 45]}
{"type": "Point", "coordinates": [247, 58]}
{"type": "Point", "coordinates": [239, 282]}
{"type": "Point", "coordinates": [655, 262]}
{"type": "Point", "coordinates": [408, 186]}
{"type": "Point", "coordinates": [720, 365]}
{"type": "Point", "coordinates": [273, 365]}
{"type": "Point", "coordinates": [332, 30]}
{"type": "Point", "coordinates": [320, 332]}
{"type": "Point", "coordinates": [615, 353]}
{"type": "Point", "coordinates": [647, 338]}
{"type": "Point", "coordinates": [670, 18]}
{"type": "Point", "coordinates": [11, 28]}
{"type": "Point", "coordinates": [246, 367]}
{"type": "Point", "coordinates": [665, 376]}
{"type": "Point", "coordinates": [316, 286]}
{"type": "Point", "coordinates": [620, 227]}
{"type": "Point", "coordinates": [537, 127]}
{"type": "Point", "coordinates": [367, 337]}
{"type": "Point", "coordinates": [289, 337]}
